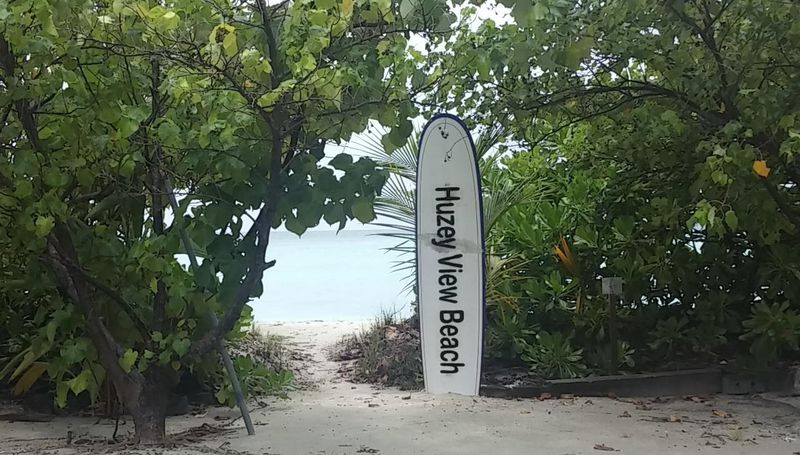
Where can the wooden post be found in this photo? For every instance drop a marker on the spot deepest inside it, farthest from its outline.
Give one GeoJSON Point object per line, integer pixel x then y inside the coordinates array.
{"type": "Point", "coordinates": [612, 333]}
{"type": "Point", "coordinates": [612, 287]}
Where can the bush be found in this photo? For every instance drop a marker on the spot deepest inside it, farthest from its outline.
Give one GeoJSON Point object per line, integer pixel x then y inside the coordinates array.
{"type": "Point", "coordinates": [554, 357]}
{"type": "Point", "coordinates": [773, 330]}
{"type": "Point", "coordinates": [387, 353]}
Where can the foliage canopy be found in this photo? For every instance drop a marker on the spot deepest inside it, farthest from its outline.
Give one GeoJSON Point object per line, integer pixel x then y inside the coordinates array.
{"type": "Point", "coordinates": [106, 106]}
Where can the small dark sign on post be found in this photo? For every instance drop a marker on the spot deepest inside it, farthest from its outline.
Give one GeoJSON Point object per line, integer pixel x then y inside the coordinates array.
{"type": "Point", "coordinates": [612, 287]}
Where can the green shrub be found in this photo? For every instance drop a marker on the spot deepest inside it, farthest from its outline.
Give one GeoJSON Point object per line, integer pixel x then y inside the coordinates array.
{"type": "Point", "coordinates": [773, 331]}
{"type": "Point", "coordinates": [553, 356]}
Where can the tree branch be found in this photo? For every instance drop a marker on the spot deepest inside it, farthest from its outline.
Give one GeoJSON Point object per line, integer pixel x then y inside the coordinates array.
{"type": "Point", "coordinates": [156, 195]}
{"type": "Point", "coordinates": [791, 215]}
{"type": "Point", "coordinates": [61, 251]}
{"type": "Point", "coordinates": [272, 43]}
{"type": "Point", "coordinates": [24, 112]}
{"type": "Point", "coordinates": [707, 36]}
{"type": "Point", "coordinates": [105, 289]}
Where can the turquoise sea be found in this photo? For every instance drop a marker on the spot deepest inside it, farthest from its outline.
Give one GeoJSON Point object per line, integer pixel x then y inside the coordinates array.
{"type": "Point", "coordinates": [330, 277]}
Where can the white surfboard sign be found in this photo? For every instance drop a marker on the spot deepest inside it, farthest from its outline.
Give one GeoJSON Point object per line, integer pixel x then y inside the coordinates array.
{"type": "Point", "coordinates": [450, 258]}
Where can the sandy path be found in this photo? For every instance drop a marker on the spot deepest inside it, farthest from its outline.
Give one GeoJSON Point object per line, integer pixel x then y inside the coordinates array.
{"type": "Point", "coordinates": [340, 418]}
{"type": "Point", "coordinates": [315, 339]}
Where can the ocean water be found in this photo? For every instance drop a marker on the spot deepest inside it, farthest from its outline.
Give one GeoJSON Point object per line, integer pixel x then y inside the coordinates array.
{"type": "Point", "coordinates": [330, 277]}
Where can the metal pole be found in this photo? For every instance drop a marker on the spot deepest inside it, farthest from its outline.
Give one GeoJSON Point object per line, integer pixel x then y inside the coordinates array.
{"type": "Point", "coordinates": [226, 358]}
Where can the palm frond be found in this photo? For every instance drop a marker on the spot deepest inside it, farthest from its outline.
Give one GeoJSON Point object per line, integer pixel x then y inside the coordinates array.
{"type": "Point", "coordinates": [501, 272]}
{"type": "Point", "coordinates": [396, 203]}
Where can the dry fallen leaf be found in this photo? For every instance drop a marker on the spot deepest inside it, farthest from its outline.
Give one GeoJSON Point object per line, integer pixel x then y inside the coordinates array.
{"type": "Point", "coordinates": [760, 167]}
{"type": "Point", "coordinates": [604, 448]}
{"type": "Point", "coordinates": [545, 396]}
{"type": "Point", "coordinates": [722, 414]}
{"type": "Point", "coordinates": [696, 399]}
{"type": "Point", "coordinates": [625, 414]}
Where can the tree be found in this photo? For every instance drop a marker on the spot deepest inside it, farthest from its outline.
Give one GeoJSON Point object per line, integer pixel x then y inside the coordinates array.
{"type": "Point", "coordinates": [105, 104]}
{"type": "Point", "coordinates": [670, 128]}
{"type": "Point", "coordinates": [721, 68]}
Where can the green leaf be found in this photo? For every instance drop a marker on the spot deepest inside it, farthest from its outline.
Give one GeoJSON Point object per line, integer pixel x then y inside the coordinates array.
{"type": "Point", "coordinates": [126, 127]}
{"type": "Point", "coordinates": [539, 10]}
{"type": "Point", "coordinates": [483, 66]}
{"type": "Point", "coordinates": [128, 359]}
{"type": "Point", "coordinates": [74, 352]}
{"type": "Point", "coordinates": [169, 21]}
{"type": "Point", "coordinates": [731, 220]}
{"type": "Point", "coordinates": [181, 346]}
{"type": "Point", "coordinates": [85, 177]}
{"type": "Point", "coordinates": [576, 52]}
{"type": "Point", "coordinates": [624, 226]}
{"type": "Point", "coordinates": [711, 216]}
{"type": "Point", "coordinates": [44, 225]}
{"type": "Point", "coordinates": [334, 214]}
{"type": "Point", "coordinates": [407, 7]}
{"type": "Point", "coordinates": [51, 329]}
{"type": "Point", "coordinates": [24, 189]}
{"type": "Point", "coordinates": [265, 67]}
{"type": "Point", "coordinates": [308, 62]}
{"type": "Point", "coordinates": [54, 178]}
{"type": "Point", "coordinates": [229, 44]}
{"type": "Point", "coordinates": [342, 161]}
{"type": "Point", "coordinates": [446, 20]}
{"type": "Point", "coordinates": [128, 167]}
{"type": "Point", "coordinates": [294, 225]}
{"type": "Point", "coordinates": [347, 8]}
{"type": "Point", "coordinates": [168, 133]}
{"type": "Point", "coordinates": [49, 27]}
{"type": "Point", "coordinates": [363, 210]}
{"type": "Point", "coordinates": [81, 382]}
{"type": "Point", "coordinates": [527, 13]}
{"type": "Point", "coordinates": [62, 390]}
{"type": "Point", "coordinates": [586, 236]}
{"type": "Point", "coordinates": [404, 130]}
{"type": "Point", "coordinates": [318, 17]}
{"type": "Point", "coordinates": [268, 99]}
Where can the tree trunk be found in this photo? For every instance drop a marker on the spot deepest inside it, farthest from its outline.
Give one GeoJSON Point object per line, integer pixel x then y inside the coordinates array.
{"type": "Point", "coordinates": [144, 394]}
{"type": "Point", "coordinates": [150, 426]}
{"type": "Point", "coordinates": [147, 403]}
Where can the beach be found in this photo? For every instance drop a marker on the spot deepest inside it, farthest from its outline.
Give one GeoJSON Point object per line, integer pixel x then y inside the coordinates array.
{"type": "Point", "coordinates": [337, 417]}
{"type": "Point", "coordinates": [330, 276]}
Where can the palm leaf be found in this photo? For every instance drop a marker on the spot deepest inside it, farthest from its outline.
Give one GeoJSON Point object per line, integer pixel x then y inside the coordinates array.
{"type": "Point", "coordinates": [396, 203]}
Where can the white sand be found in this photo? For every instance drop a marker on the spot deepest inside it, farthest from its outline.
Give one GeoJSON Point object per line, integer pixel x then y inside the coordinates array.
{"type": "Point", "coordinates": [343, 418]}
